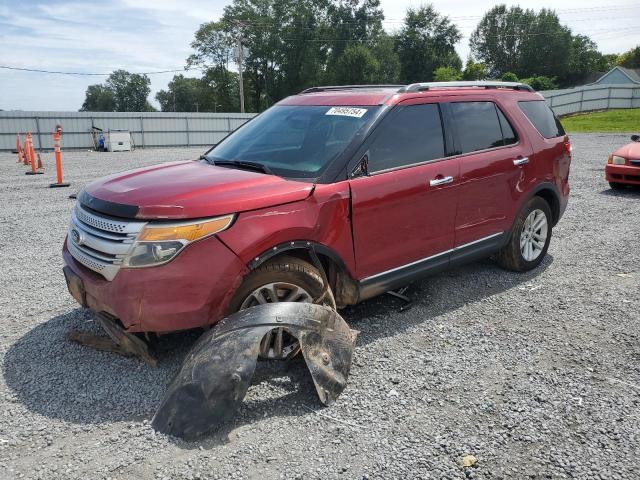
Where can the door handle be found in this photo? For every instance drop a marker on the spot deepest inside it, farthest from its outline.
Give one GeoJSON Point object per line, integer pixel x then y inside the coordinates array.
{"type": "Point", "coordinates": [440, 181]}
{"type": "Point", "coordinates": [521, 161]}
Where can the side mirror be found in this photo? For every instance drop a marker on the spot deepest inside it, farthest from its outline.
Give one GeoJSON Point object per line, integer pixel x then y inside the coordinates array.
{"type": "Point", "coordinates": [635, 138]}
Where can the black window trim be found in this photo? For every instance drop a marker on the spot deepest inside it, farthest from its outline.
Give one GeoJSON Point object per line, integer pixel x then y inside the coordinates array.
{"type": "Point", "coordinates": [364, 149]}
{"type": "Point", "coordinates": [452, 123]}
{"type": "Point", "coordinates": [498, 111]}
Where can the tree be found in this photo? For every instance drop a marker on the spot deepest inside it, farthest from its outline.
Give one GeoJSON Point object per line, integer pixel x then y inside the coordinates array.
{"type": "Point", "coordinates": [609, 60]}
{"type": "Point", "coordinates": [426, 41]}
{"type": "Point", "coordinates": [220, 91]}
{"type": "Point", "coordinates": [349, 23]}
{"type": "Point", "coordinates": [388, 60]}
{"type": "Point", "coordinates": [130, 91]}
{"type": "Point", "coordinates": [282, 56]}
{"type": "Point", "coordinates": [98, 98]}
{"type": "Point", "coordinates": [584, 59]}
{"type": "Point", "coordinates": [474, 71]}
{"type": "Point", "coordinates": [540, 83]}
{"type": "Point", "coordinates": [216, 91]}
{"type": "Point", "coordinates": [509, 77]}
{"type": "Point", "coordinates": [182, 95]}
{"type": "Point", "coordinates": [356, 65]}
{"type": "Point", "coordinates": [522, 41]}
{"type": "Point", "coordinates": [446, 74]}
{"type": "Point", "coordinates": [630, 59]}
{"type": "Point", "coordinates": [122, 92]}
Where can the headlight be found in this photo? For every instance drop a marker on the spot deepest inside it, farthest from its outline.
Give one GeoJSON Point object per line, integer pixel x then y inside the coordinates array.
{"type": "Point", "coordinates": [159, 243]}
{"type": "Point", "coordinates": [616, 160]}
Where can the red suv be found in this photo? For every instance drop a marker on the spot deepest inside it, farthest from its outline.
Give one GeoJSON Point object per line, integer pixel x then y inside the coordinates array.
{"type": "Point", "coordinates": [385, 184]}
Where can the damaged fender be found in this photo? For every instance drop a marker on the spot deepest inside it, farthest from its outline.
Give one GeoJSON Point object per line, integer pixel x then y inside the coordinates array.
{"type": "Point", "coordinates": [217, 372]}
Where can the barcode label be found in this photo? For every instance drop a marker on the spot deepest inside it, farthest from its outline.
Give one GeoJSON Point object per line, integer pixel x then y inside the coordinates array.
{"type": "Point", "coordinates": [347, 111]}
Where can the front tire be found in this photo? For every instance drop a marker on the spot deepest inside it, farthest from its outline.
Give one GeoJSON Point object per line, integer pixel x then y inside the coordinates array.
{"type": "Point", "coordinates": [617, 186]}
{"type": "Point", "coordinates": [283, 279]}
{"type": "Point", "coordinates": [529, 239]}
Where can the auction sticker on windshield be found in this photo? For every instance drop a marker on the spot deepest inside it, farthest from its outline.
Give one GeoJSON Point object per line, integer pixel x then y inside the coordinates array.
{"type": "Point", "coordinates": [347, 111]}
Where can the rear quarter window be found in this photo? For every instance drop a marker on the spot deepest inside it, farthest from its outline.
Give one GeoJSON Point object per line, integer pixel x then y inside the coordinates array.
{"type": "Point", "coordinates": [542, 118]}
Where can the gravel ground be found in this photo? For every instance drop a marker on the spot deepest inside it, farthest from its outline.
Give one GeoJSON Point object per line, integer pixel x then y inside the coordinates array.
{"type": "Point", "coordinates": [537, 375]}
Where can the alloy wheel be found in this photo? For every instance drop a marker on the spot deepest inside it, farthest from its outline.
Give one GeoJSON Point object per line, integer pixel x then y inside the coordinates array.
{"type": "Point", "coordinates": [277, 344]}
{"type": "Point", "coordinates": [533, 237]}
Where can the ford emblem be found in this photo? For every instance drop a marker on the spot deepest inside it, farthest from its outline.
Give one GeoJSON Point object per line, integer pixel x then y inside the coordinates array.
{"type": "Point", "coordinates": [76, 237]}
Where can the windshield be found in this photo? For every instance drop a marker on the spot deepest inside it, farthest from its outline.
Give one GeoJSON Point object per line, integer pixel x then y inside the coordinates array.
{"type": "Point", "coordinates": [294, 141]}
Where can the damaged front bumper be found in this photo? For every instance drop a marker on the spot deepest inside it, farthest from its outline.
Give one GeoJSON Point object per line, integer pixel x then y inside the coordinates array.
{"type": "Point", "coordinates": [217, 372]}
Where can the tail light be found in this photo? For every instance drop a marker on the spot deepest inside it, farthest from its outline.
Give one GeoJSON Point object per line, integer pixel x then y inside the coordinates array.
{"type": "Point", "coordinates": [567, 144]}
{"type": "Point", "coordinates": [610, 159]}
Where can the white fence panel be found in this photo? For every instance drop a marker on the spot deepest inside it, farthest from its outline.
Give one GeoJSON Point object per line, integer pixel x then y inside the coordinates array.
{"type": "Point", "coordinates": [595, 97]}
{"type": "Point", "coordinates": [148, 129]}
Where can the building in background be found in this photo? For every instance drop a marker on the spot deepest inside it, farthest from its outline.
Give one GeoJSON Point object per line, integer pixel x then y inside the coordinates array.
{"type": "Point", "coordinates": [619, 76]}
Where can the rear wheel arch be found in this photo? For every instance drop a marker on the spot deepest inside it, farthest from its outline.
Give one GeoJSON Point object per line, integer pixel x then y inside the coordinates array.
{"type": "Point", "coordinates": [550, 195]}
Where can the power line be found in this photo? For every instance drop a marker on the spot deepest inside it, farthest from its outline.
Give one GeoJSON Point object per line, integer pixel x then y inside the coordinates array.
{"type": "Point", "coordinates": [9, 67]}
{"type": "Point", "coordinates": [560, 12]}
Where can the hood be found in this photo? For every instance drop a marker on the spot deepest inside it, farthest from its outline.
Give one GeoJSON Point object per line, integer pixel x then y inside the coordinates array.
{"type": "Point", "coordinates": [189, 189]}
{"type": "Point", "coordinates": [630, 151]}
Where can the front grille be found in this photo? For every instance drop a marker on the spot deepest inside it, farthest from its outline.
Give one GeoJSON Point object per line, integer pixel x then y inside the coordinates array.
{"type": "Point", "coordinates": [100, 243]}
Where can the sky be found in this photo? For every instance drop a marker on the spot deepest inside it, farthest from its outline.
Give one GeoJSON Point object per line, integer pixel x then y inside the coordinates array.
{"type": "Point", "coordinates": [155, 35]}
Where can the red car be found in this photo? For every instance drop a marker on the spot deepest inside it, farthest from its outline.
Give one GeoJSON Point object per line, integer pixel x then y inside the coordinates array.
{"type": "Point", "coordinates": [385, 184]}
{"type": "Point", "coordinates": [623, 166]}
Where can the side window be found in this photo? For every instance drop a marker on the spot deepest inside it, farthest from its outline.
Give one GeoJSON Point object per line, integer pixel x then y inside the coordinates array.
{"type": "Point", "coordinates": [508, 133]}
{"type": "Point", "coordinates": [413, 135]}
{"type": "Point", "coordinates": [542, 118]}
{"type": "Point", "coordinates": [477, 125]}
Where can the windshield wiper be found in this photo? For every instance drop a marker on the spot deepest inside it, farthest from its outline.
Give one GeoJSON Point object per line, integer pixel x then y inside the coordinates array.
{"type": "Point", "coordinates": [242, 164]}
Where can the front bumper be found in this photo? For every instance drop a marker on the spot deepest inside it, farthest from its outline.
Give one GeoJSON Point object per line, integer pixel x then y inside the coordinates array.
{"type": "Point", "coordinates": [627, 174]}
{"type": "Point", "coordinates": [193, 290]}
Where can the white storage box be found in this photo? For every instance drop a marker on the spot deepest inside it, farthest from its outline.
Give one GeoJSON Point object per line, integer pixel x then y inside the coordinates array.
{"type": "Point", "coordinates": [118, 140]}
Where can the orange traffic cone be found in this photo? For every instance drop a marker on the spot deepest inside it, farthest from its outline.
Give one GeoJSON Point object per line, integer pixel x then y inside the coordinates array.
{"type": "Point", "coordinates": [40, 166]}
{"type": "Point", "coordinates": [58, 155]}
{"type": "Point", "coordinates": [19, 148]}
{"type": "Point", "coordinates": [32, 156]}
{"type": "Point", "coordinates": [25, 152]}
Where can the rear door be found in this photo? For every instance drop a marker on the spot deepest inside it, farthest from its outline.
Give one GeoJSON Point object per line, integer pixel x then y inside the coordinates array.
{"type": "Point", "coordinates": [492, 158]}
{"type": "Point", "coordinates": [404, 209]}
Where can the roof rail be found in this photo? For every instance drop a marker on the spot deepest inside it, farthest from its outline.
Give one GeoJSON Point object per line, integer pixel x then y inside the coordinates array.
{"type": "Point", "coordinates": [419, 87]}
{"type": "Point", "coordinates": [347, 87]}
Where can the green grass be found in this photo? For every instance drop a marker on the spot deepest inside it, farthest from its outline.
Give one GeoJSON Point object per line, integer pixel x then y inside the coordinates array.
{"type": "Point", "coordinates": [617, 121]}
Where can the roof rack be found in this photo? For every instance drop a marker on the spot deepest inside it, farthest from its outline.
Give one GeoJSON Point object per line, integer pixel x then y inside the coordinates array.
{"type": "Point", "coordinates": [347, 87]}
{"type": "Point", "coordinates": [419, 87]}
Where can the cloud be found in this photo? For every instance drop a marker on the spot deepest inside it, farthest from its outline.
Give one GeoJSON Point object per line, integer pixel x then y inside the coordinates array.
{"type": "Point", "coordinates": [152, 35]}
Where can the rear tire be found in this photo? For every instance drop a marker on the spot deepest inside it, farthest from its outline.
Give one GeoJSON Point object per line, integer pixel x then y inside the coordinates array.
{"type": "Point", "coordinates": [529, 239]}
{"type": "Point", "coordinates": [616, 186]}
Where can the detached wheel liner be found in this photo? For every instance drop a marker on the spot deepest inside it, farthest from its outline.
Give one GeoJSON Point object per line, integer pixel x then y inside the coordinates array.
{"type": "Point", "coordinates": [217, 372]}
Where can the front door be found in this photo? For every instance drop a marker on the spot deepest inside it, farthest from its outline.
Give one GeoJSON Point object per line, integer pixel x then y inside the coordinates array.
{"type": "Point", "coordinates": [403, 211]}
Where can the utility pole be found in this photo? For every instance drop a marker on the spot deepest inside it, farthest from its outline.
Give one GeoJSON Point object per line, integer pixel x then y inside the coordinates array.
{"type": "Point", "coordinates": [196, 104]}
{"type": "Point", "coordinates": [240, 62]}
